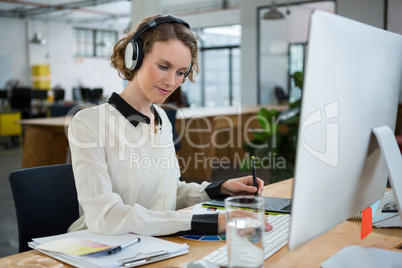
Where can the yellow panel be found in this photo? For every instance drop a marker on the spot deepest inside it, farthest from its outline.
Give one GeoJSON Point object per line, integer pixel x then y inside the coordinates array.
{"type": "Point", "coordinates": [8, 125]}
{"type": "Point", "coordinates": [40, 70]}
{"type": "Point", "coordinates": [41, 84]}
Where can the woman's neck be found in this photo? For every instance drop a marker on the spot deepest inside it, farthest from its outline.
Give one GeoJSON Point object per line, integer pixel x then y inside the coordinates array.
{"type": "Point", "coordinates": [135, 98]}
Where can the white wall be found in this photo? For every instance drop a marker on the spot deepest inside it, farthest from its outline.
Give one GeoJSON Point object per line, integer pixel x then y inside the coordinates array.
{"type": "Point", "coordinates": [65, 70]}
{"type": "Point", "coordinates": [14, 50]}
{"type": "Point", "coordinates": [69, 72]}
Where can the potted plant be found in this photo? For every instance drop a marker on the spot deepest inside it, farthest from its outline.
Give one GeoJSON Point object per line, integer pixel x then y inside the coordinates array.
{"type": "Point", "coordinates": [274, 144]}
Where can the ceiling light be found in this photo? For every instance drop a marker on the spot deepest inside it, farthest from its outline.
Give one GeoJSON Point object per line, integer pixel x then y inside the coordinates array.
{"type": "Point", "coordinates": [273, 13]}
{"type": "Point", "coordinates": [37, 39]}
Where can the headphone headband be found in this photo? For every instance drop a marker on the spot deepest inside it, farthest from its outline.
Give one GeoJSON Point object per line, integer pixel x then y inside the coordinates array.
{"type": "Point", "coordinates": [134, 51]}
{"type": "Point", "coordinates": [158, 21]}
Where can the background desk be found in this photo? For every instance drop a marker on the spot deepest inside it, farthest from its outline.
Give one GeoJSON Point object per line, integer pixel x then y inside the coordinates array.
{"type": "Point", "coordinates": [210, 134]}
{"type": "Point", "coordinates": [46, 141]}
{"type": "Point", "coordinates": [311, 254]}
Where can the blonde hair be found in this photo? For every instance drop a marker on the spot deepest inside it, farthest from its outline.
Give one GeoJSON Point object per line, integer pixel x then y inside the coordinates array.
{"type": "Point", "coordinates": [160, 33]}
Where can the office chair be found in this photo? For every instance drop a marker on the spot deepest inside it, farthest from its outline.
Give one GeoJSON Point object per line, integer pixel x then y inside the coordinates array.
{"type": "Point", "coordinates": [171, 114]}
{"type": "Point", "coordinates": [20, 100]}
{"type": "Point", "coordinates": [45, 201]}
{"type": "Point", "coordinates": [3, 97]}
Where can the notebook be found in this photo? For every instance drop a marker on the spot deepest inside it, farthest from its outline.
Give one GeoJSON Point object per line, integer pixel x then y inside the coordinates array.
{"type": "Point", "coordinates": [273, 205]}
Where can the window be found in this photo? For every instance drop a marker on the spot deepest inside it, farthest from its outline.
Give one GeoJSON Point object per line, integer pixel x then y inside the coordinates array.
{"type": "Point", "coordinates": [280, 47]}
{"type": "Point", "coordinates": [218, 83]}
{"type": "Point", "coordinates": [93, 43]}
{"type": "Point", "coordinates": [296, 64]}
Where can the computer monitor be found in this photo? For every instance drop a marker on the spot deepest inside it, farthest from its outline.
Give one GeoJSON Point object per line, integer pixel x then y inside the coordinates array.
{"type": "Point", "coordinates": [351, 87]}
{"type": "Point", "coordinates": [77, 96]}
{"type": "Point", "coordinates": [40, 94]}
{"type": "Point", "coordinates": [95, 95]}
{"type": "Point", "coordinates": [3, 94]}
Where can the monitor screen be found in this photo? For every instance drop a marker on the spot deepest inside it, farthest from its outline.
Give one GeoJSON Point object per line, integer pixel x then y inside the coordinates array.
{"type": "Point", "coordinates": [351, 85]}
{"type": "Point", "coordinates": [77, 96]}
{"type": "Point", "coordinates": [39, 94]}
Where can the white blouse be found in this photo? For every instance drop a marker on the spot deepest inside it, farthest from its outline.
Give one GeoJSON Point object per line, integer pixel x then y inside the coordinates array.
{"type": "Point", "coordinates": [127, 177]}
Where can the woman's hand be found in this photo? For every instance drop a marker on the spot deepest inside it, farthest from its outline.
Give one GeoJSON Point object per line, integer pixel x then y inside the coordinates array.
{"type": "Point", "coordinates": [242, 186]}
{"type": "Point", "coordinates": [238, 213]}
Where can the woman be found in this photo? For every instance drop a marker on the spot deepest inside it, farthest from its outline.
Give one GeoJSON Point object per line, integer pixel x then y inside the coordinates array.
{"type": "Point", "coordinates": [125, 167]}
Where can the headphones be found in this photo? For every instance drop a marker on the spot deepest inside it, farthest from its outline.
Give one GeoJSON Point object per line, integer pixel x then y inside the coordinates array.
{"type": "Point", "coordinates": [134, 53]}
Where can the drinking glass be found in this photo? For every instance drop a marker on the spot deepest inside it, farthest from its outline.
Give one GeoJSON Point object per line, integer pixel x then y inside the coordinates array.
{"type": "Point", "coordinates": [244, 231]}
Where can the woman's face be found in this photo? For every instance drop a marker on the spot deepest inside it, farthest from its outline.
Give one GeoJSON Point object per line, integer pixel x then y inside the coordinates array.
{"type": "Point", "coordinates": [163, 69]}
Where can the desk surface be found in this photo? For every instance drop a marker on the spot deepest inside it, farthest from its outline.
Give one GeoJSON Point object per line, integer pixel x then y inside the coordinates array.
{"type": "Point", "coordinates": [182, 113]}
{"type": "Point", "coordinates": [311, 254]}
{"type": "Point", "coordinates": [59, 121]}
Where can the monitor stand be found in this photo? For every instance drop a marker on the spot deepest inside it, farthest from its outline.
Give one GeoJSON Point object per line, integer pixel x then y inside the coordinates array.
{"type": "Point", "coordinates": [359, 256]}
{"type": "Point", "coordinates": [393, 158]}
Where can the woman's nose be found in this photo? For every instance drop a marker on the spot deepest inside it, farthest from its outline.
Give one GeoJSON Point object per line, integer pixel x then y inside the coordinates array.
{"type": "Point", "coordinates": [170, 79]}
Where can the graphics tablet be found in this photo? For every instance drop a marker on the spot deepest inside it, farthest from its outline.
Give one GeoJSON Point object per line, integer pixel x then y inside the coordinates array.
{"type": "Point", "coordinates": [273, 205]}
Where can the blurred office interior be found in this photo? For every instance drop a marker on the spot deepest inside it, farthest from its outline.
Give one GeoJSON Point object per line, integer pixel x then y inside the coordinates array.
{"type": "Point", "coordinates": [54, 56]}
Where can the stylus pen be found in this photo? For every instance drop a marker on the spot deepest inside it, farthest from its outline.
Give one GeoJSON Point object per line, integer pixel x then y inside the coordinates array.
{"type": "Point", "coordinates": [124, 246]}
{"type": "Point", "coordinates": [254, 174]}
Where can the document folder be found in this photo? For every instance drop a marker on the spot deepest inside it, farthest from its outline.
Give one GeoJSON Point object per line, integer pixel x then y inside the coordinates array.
{"type": "Point", "coordinates": [150, 249]}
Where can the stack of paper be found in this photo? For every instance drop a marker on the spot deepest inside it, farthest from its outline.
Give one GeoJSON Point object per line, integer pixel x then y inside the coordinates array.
{"type": "Point", "coordinates": [385, 212]}
{"type": "Point", "coordinates": [383, 217]}
{"type": "Point", "coordinates": [143, 251]}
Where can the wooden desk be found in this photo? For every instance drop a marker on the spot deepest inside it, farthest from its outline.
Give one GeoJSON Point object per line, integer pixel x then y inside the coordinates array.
{"type": "Point", "coordinates": [45, 141]}
{"type": "Point", "coordinates": [200, 129]}
{"type": "Point", "coordinates": [311, 254]}
{"type": "Point", "coordinates": [213, 137]}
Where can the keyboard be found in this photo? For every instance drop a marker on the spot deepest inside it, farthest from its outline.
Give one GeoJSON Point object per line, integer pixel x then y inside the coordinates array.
{"type": "Point", "coordinates": [273, 241]}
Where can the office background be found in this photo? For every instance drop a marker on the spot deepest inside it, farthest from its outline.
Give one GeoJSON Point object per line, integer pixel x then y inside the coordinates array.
{"type": "Point", "coordinates": [232, 32]}
{"type": "Point", "coordinates": [239, 27]}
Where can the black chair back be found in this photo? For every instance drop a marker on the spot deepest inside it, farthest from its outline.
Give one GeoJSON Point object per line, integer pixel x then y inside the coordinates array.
{"type": "Point", "coordinates": [45, 201]}
{"type": "Point", "coordinates": [171, 114]}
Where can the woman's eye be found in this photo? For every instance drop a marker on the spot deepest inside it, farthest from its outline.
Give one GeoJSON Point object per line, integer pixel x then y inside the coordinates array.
{"type": "Point", "coordinates": [163, 67]}
{"type": "Point", "coordinates": [180, 73]}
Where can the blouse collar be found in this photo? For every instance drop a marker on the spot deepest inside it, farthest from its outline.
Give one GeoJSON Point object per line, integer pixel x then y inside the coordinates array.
{"type": "Point", "coordinates": [131, 114]}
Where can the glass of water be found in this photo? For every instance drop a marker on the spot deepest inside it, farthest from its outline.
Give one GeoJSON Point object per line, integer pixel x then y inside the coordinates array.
{"type": "Point", "coordinates": [245, 216]}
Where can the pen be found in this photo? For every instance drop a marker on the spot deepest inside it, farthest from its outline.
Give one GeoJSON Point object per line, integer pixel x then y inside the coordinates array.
{"type": "Point", "coordinates": [144, 260]}
{"type": "Point", "coordinates": [254, 174]}
{"type": "Point", "coordinates": [123, 246]}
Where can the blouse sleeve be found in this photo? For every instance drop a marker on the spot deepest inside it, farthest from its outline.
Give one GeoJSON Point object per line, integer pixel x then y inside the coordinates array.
{"type": "Point", "coordinates": [104, 209]}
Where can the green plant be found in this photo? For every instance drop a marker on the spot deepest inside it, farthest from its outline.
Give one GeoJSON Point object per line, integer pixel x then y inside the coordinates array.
{"type": "Point", "coordinates": [274, 144]}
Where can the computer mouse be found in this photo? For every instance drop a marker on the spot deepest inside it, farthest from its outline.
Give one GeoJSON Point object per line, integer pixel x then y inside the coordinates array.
{"type": "Point", "coordinates": [201, 264]}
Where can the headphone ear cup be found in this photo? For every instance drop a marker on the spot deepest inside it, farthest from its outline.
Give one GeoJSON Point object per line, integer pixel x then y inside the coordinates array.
{"type": "Point", "coordinates": [188, 70]}
{"type": "Point", "coordinates": [138, 54]}
{"type": "Point", "coordinates": [128, 56]}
